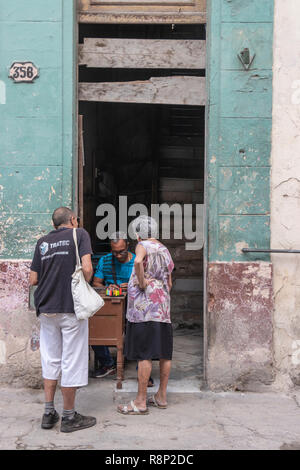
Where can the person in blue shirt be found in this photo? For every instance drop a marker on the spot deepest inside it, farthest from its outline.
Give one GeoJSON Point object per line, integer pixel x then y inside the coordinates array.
{"type": "Point", "coordinates": [113, 270]}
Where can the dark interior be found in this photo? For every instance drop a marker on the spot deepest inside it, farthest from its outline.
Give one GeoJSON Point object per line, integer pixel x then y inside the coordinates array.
{"type": "Point", "coordinates": [150, 153]}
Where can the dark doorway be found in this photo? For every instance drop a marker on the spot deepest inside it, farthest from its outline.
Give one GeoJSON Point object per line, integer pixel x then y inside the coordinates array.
{"type": "Point", "coordinates": [151, 154]}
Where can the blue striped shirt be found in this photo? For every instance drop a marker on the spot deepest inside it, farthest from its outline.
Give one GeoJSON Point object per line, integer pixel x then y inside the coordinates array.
{"type": "Point", "coordinates": [123, 270]}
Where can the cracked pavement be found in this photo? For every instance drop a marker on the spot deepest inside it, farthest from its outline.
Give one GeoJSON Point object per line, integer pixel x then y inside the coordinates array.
{"type": "Point", "coordinates": [231, 420]}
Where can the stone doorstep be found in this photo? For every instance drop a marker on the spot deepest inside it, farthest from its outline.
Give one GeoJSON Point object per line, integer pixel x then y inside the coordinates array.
{"type": "Point", "coordinates": [181, 387]}
{"type": "Point", "coordinates": [185, 378]}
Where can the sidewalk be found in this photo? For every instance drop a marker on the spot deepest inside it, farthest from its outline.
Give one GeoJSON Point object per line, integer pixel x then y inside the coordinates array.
{"type": "Point", "coordinates": [202, 420]}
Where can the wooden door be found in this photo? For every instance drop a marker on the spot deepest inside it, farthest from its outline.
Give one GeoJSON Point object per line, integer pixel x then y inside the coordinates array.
{"type": "Point", "coordinates": [142, 11]}
{"type": "Point", "coordinates": [149, 54]}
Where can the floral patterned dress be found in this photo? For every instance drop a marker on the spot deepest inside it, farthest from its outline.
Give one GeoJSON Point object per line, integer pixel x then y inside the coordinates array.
{"type": "Point", "coordinates": [152, 303]}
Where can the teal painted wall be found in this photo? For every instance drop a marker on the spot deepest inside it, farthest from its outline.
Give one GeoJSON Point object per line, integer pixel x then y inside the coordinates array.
{"type": "Point", "coordinates": [239, 122]}
{"type": "Point", "coordinates": [37, 120]}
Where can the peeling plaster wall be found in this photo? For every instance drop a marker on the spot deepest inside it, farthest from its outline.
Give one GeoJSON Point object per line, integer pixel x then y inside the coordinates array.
{"type": "Point", "coordinates": [36, 162]}
{"type": "Point", "coordinates": [239, 323]}
{"type": "Point", "coordinates": [19, 330]}
{"type": "Point", "coordinates": [240, 349]}
{"type": "Point", "coordinates": [285, 192]}
{"type": "Point", "coordinates": [36, 120]}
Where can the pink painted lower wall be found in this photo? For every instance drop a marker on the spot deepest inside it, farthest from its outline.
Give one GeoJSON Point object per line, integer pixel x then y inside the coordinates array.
{"type": "Point", "coordinates": [240, 326]}
{"type": "Point", "coordinates": [19, 346]}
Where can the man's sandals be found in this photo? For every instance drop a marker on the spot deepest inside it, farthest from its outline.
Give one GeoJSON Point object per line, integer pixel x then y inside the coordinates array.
{"type": "Point", "coordinates": [134, 410]}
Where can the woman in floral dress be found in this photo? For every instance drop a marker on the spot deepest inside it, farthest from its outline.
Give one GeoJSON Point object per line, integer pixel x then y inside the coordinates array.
{"type": "Point", "coordinates": [149, 331]}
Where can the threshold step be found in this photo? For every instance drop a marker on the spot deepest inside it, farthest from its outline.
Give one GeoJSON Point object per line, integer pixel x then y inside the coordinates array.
{"type": "Point", "coordinates": [188, 386]}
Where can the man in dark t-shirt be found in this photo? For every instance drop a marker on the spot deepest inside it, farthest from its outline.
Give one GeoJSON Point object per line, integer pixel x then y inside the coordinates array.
{"type": "Point", "coordinates": [63, 338]}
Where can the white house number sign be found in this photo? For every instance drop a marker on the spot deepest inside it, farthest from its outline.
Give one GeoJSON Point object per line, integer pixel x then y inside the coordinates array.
{"type": "Point", "coordinates": [23, 72]}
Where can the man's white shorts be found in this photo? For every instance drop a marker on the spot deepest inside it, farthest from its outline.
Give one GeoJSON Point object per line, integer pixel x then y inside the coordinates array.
{"type": "Point", "coordinates": [64, 348]}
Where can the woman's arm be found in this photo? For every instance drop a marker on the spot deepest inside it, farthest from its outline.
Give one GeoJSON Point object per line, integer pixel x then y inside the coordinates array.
{"type": "Point", "coordinates": [138, 265]}
{"type": "Point", "coordinates": [170, 283]}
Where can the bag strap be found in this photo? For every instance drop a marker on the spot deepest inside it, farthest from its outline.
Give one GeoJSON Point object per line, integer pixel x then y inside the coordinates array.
{"type": "Point", "coordinates": [78, 263]}
{"type": "Point", "coordinates": [113, 268]}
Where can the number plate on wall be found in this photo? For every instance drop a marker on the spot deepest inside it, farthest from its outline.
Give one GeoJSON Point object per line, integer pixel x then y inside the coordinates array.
{"type": "Point", "coordinates": [23, 72]}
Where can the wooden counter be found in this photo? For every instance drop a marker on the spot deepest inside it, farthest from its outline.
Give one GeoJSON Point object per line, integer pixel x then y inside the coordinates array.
{"type": "Point", "coordinates": [107, 328]}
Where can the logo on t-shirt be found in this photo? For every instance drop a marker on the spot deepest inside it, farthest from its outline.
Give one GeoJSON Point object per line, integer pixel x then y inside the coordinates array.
{"type": "Point", "coordinates": [44, 248]}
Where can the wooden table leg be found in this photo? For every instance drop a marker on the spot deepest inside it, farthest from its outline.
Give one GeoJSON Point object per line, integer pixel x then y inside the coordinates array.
{"type": "Point", "coordinates": [120, 367]}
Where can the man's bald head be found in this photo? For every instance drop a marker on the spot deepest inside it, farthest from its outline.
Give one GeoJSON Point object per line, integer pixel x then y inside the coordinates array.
{"type": "Point", "coordinates": [62, 216]}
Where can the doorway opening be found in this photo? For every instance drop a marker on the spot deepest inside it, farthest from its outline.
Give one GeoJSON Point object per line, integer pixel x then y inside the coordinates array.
{"type": "Point", "coordinates": [153, 154]}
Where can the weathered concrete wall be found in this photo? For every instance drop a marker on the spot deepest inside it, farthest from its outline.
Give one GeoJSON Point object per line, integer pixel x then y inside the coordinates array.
{"type": "Point", "coordinates": [36, 159]}
{"type": "Point", "coordinates": [36, 120]}
{"type": "Point", "coordinates": [19, 331]}
{"type": "Point", "coordinates": [239, 287]}
{"type": "Point", "coordinates": [285, 196]}
{"type": "Point", "coordinates": [240, 353]}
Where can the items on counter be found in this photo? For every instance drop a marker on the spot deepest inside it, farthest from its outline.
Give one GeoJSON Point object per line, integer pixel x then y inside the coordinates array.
{"type": "Point", "coordinates": [113, 292]}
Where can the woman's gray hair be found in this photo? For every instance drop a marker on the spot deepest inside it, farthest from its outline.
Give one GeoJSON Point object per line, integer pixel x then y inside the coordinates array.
{"type": "Point", "coordinates": [145, 227]}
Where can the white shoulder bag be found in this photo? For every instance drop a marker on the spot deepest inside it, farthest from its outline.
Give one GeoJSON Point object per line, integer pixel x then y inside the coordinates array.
{"type": "Point", "coordinates": [86, 300]}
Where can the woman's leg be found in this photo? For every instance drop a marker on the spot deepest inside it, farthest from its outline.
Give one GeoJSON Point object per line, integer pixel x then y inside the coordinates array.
{"type": "Point", "coordinates": [165, 369]}
{"type": "Point", "coordinates": [144, 372]}
{"type": "Point", "coordinates": [151, 381]}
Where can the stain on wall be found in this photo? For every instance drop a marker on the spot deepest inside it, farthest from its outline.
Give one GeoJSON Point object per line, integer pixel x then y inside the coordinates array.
{"type": "Point", "coordinates": [240, 335]}
{"type": "Point", "coordinates": [19, 328]}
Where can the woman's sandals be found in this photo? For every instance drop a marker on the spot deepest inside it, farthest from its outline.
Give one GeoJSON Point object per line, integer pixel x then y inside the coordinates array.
{"type": "Point", "coordinates": [153, 402]}
{"type": "Point", "coordinates": [134, 410]}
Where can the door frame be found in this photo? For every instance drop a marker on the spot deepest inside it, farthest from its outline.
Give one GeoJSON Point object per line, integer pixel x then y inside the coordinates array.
{"type": "Point", "coordinates": [206, 162]}
{"type": "Point", "coordinates": [152, 12]}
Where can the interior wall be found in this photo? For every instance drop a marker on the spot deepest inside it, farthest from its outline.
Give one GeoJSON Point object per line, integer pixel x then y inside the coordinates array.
{"type": "Point", "coordinates": [118, 152]}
